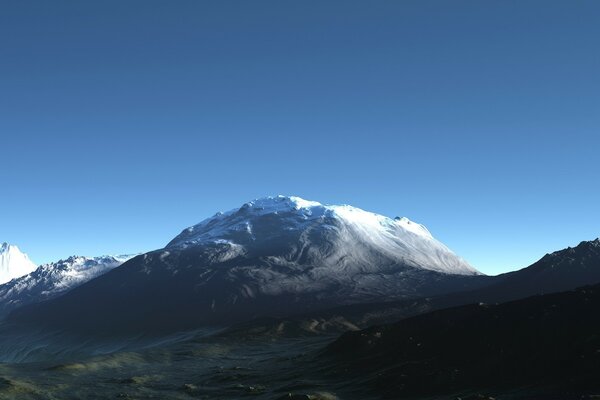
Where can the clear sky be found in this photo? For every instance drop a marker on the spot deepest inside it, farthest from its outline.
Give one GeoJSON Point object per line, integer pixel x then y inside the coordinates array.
{"type": "Point", "coordinates": [123, 122]}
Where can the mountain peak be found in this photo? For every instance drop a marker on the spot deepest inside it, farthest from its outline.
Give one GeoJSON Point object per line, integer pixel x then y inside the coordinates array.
{"type": "Point", "coordinates": [569, 252]}
{"type": "Point", "coordinates": [282, 201]}
{"type": "Point", "coordinates": [258, 227]}
{"type": "Point", "coordinates": [13, 263]}
{"type": "Point", "coordinates": [5, 247]}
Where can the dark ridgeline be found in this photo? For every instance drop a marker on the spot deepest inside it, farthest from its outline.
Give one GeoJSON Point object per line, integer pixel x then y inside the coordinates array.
{"type": "Point", "coordinates": [559, 271]}
{"type": "Point", "coordinates": [562, 270]}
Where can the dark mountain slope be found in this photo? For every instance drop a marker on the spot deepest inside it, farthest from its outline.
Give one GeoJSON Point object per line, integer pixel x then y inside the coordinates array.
{"type": "Point", "coordinates": [543, 344]}
{"type": "Point", "coordinates": [562, 270]}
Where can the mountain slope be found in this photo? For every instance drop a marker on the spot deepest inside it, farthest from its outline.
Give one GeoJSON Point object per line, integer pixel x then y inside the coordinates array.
{"type": "Point", "coordinates": [274, 256]}
{"type": "Point", "coordinates": [539, 347]}
{"type": "Point", "coordinates": [561, 270]}
{"type": "Point", "coordinates": [51, 280]}
{"type": "Point", "coordinates": [13, 263]}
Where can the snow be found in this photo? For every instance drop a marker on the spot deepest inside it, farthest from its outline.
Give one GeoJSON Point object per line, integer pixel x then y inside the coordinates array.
{"type": "Point", "coordinates": [301, 203]}
{"type": "Point", "coordinates": [359, 237]}
{"type": "Point", "coordinates": [13, 263]}
{"type": "Point", "coordinates": [413, 227]}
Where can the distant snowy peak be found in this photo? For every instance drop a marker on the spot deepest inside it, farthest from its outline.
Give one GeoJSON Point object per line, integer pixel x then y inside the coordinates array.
{"type": "Point", "coordinates": [73, 271]}
{"type": "Point", "coordinates": [86, 264]}
{"type": "Point", "coordinates": [335, 230]}
{"type": "Point", "coordinates": [13, 263]}
{"type": "Point", "coordinates": [53, 279]}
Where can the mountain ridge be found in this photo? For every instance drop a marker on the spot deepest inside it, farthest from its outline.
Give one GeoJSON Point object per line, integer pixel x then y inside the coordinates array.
{"type": "Point", "coordinates": [272, 256]}
{"type": "Point", "coordinates": [54, 279]}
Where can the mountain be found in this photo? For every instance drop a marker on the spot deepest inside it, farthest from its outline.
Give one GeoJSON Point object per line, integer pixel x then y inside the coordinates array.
{"type": "Point", "coordinates": [13, 263]}
{"type": "Point", "coordinates": [273, 256]}
{"type": "Point", "coordinates": [340, 237]}
{"type": "Point", "coordinates": [51, 280]}
{"type": "Point", "coordinates": [561, 270]}
{"type": "Point", "coordinates": [541, 347]}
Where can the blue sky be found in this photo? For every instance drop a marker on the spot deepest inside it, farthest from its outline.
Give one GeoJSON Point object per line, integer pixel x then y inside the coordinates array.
{"type": "Point", "coordinates": [123, 122]}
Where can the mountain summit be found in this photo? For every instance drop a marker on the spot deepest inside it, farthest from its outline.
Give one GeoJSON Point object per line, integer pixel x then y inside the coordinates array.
{"type": "Point", "coordinates": [340, 238]}
{"type": "Point", "coordinates": [273, 256]}
{"type": "Point", "coordinates": [13, 263]}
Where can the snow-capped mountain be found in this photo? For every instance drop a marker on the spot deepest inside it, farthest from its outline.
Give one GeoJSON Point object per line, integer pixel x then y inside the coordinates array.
{"type": "Point", "coordinates": [51, 280]}
{"type": "Point", "coordinates": [272, 256]}
{"type": "Point", "coordinates": [340, 239]}
{"type": "Point", "coordinates": [13, 263]}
